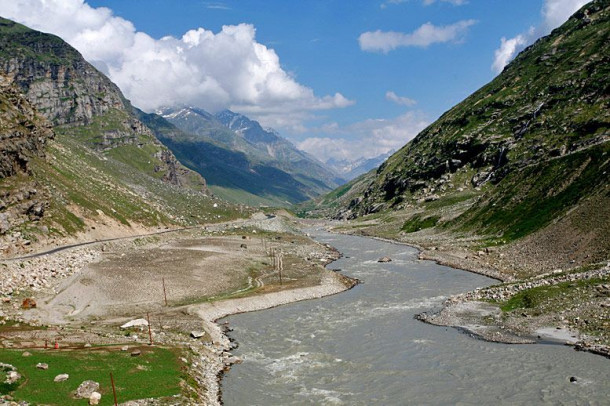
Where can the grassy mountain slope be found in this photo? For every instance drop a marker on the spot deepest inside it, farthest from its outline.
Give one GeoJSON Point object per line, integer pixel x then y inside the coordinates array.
{"type": "Point", "coordinates": [523, 158]}
{"type": "Point", "coordinates": [104, 172]}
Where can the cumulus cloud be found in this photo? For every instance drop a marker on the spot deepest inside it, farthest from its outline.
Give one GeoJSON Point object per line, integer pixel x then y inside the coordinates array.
{"type": "Point", "coordinates": [507, 51]}
{"type": "Point", "coordinates": [405, 101]}
{"type": "Point", "coordinates": [425, 35]}
{"type": "Point", "coordinates": [365, 139]}
{"type": "Point", "coordinates": [227, 69]}
{"type": "Point", "coordinates": [554, 13]}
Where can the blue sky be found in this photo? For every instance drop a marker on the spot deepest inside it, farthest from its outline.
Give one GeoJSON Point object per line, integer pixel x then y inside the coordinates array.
{"type": "Point", "coordinates": [338, 78]}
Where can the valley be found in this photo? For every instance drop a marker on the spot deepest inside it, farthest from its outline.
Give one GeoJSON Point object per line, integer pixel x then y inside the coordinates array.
{"type": "Point", "coordinates": [130, 239]}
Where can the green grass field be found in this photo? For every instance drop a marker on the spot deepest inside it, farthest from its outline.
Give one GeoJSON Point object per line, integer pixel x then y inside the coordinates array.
{"type": "Point", "coordinates": [155, 373]}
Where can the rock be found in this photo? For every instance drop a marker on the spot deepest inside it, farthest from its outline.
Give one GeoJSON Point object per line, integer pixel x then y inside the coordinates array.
{"type": "Point", "coordinates": [86, 389]}
{"type": "Point", "coordinates": [244, 246]}
{"type": "Point", "coordinates": [42, 365]}
{"type": "Point", "coordinates": [61, 378]}
{"type": "Point", "coordinates": [136, 353]}
{"type": "Point", "coordinates": [135, 323]}
{"type": "Point", "coordinates": [573, 379]}
{"type": "Point", "coordinates": [28, 303]}
{"type": "Point", "coordinates": [124, 348]}
{"type": "Point", "coordinates": [12, 377]}
{"type": "Point", "coordinates": [26, 354]}
{"type": "Point", "coordinates": [384, 259]}
{"type": "Point", "coordinates": [197, 334]}
{"type": "Point", "coordinates": [95, 398]}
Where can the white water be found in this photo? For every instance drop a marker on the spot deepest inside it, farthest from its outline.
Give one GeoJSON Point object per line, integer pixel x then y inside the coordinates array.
{"type": "Point", "coordinates": [363, 347]}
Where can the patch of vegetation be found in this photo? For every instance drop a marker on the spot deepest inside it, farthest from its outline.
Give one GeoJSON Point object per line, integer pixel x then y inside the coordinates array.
{"type": "Point", "coordinates": [155, 373]}
{"type": "Point", "coordinates": [417, 222]}
{"type": "Point", "coordinates": [547, 298]}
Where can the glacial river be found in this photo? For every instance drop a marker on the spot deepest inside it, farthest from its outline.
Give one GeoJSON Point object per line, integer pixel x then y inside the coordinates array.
{"type": "Point", "coordinates": [363, 347]}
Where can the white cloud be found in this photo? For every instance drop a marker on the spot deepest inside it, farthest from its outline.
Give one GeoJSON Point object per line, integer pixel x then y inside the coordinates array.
{"type": "Point", "coordinates": [425, 35]}
{"type": "Point", "coordinates": [507, 51]}
{"type": "Point", "coordinates": [366, 139]}
{"type": "Point", "coordinates": [405, 101]}
{"type": "Point", "coordinates": [227, 69]}
{"type": "Point", "coordinates": [554, 13]}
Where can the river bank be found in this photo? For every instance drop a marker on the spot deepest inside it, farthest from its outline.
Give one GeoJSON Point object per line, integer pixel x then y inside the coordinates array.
{"type": "Point", "coordinates": [332, 283]}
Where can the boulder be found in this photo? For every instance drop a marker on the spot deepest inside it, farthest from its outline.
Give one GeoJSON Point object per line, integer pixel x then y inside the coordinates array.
{"type": "Point", "coordinates": [28, 303]}
{"type": "Point", "coordinates": [385, 259]}
{"type": "Point", "coordinates": [61, 378]}
{"type": "Point", "coordinates": [136, 353]}
{"type": "Point", "coordinates": [135, 323]}
{"type": "Point", "coordinates": [42, 365]}
{"type": "Point", "coordinates": [95, 398]}
{"type": "Point", "coordinates": [12, 377]}
{"type": "Point", "coordinates": [197, 334]}
{"type": "Point", "coordinates": [86, 389]}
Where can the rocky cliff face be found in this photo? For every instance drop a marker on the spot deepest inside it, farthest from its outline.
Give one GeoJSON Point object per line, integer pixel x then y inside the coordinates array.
{"type": "Point", "coordinates": [23, 136]}
{"type": "Point", "coordinates": [55, 77]}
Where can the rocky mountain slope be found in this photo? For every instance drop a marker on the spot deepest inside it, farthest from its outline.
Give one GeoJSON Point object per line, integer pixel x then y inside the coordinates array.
{"type": "Point", "coordinates": [526, 154]}
{"type": "Point", "coordinates": [23, 137]}
{"type": "Point", "coordinates": [242, 161]}
{"type": "Point", "coordinates": [104, 170]}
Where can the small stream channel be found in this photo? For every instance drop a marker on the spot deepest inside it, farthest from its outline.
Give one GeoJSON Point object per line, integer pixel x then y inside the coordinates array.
{"type": "Point", "coordinates": [363, 347]}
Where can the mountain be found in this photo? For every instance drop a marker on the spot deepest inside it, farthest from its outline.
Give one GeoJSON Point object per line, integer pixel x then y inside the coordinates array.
{"type": "Point", "coordinates": [242, 161]}
{"type": "Point", "coordinates": [522, 162]}
{"type": "Point", "coordinates": [75, 156]}
{"type": "Point", "coordinates": [352, 169]}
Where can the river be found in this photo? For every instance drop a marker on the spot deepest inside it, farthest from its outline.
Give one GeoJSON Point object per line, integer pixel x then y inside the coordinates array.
{"type": "Point", "coordinates": [363, 347]}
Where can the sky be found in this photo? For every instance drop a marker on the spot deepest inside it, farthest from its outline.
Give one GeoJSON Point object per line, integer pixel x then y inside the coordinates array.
{"type": "Point", "coordinates": [343, 79]}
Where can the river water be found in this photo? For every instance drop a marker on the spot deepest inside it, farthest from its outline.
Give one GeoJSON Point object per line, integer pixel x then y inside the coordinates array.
{"type": "Point", "coordinates": [363, 347]}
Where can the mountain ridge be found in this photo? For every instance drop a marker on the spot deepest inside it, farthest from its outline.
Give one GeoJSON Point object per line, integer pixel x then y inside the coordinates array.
{"type": "Point", "coordinates": [241, 160]}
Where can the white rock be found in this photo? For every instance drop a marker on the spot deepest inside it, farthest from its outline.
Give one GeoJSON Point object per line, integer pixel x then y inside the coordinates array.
{"type": "Point", "coordinates": [135, 323]}
{"type": "Point", "coordinates": [61, 378]}
{"type": "Point", "coordinates": [95, 398]}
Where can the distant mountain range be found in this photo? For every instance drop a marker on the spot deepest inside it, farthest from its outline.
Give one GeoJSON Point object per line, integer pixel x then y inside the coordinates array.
{"type": "Point", "coordinates": [352, 169]}
{"type": "Point", "coordinates": [243, 162]}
